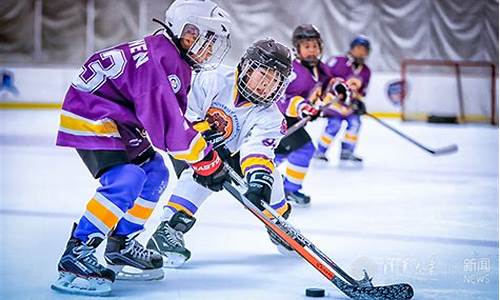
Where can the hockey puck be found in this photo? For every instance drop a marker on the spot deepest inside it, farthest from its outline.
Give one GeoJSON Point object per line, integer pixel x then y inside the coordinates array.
{"type": "Point", "coordinates": [315, 292]}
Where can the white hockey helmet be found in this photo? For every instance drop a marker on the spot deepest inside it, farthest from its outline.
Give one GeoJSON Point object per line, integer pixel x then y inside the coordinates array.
{"type": "Point", "coordinates": [210, 26]}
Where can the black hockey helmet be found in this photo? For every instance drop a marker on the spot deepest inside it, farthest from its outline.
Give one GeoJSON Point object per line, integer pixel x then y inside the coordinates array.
{"type": "Point", "coordinates": [274, 61]}
{"type": "Point", "coordinates": [307, 32]}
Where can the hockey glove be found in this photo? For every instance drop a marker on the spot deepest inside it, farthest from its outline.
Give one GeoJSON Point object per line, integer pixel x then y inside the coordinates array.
{"type": "Point", "coordinates": [210, 172]}
{"type": "Point", "coordinates": [340, 92]}
{"type": "Point", "coordinates": [214, 137]}
{"type": "Point", "coordinates": [307, 110]}
{"type": "Point", "coordinates": [260, 185]}
{"type": "Point", "coordinates": [359, 107]}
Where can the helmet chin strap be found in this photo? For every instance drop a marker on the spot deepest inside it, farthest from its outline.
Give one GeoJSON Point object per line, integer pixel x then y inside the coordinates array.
{"type": "Point", "coordinates": [356, 61]}
{"type": "Point", "coordinates": [177, 43]}
{"type": "Point", "coordinates": [310, 63]}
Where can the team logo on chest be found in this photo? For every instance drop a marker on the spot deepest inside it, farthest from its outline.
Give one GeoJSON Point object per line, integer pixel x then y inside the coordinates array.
{"type": "Point", "coordinates": [175, 82]}
{"type": "Point", "coordinates": [219, 119]}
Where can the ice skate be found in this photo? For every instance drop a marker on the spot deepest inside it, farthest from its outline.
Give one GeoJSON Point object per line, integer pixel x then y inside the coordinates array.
{"type": "Point", "coordinates": [79, 271]}
{"type": "Point", "coordinates": [298, 198]}
{"type": "Point", "coordinates": [131, 261]}
{"type": "Point", "coordinates": [168, 240]}
{"type": "Point", "coordinates": [282, 246]}
{"type": "Point", "coordinates": [320, 156]}
{"type": "Point", "coordinates": [349, 160]}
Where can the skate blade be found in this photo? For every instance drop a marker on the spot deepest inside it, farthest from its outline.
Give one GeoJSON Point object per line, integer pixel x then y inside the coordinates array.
{"type": "Point", "coordinates": [350, 165]}
{"type": "Point", "coordinates": [173, 260]}
{"type": "Point", "coordinates": [129, 273]}
{"type": "Point", "coordinates": [299, 205]}
{"type": "Point", "coordinates": [320, 164]}
{"type": "Point", "coordinates": [69, 283]}
{"type": "Point", "coordinates": [285, 252]}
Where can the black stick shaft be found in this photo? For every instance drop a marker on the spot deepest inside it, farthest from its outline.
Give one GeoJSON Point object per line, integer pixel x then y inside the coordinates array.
{"type": "Point", "coordinates": [449, 149]}
{"type": "Point", "coordinates": [297, 126]}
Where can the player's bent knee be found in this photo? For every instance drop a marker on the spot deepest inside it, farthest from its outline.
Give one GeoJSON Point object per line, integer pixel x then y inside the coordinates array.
{"type": "Point", "coordinates": [157, 178]}
{"type": "Point", "coordinates": [333, 126]}
{"type": "Point", "coordinates": [308, 149]}
{"type": "Point", "coordinates": [123, 182]}
{"type": "Point", "coordinates": [156, 169]}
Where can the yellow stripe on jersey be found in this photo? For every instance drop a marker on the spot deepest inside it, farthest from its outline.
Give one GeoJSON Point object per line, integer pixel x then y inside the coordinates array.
{"type": "Point", "coordinates": [140, 211]}
{"type": "Point", "coordinates": [78, 125]}
{"type": "Point", "coordinates": [235, 87]}
{"type": "Point", "coordinates": [251, 161]}
{"type": "Point", "coordinates": [102, 213]}
{"type": "Point", "coordinates": [295, 174]}
{"type": "Point", "coordinates": [351, 137]}
{"type": "Point", "coordinates": [201, 126]}
{"type": "Point", "coordinates": [281, 210]}
{"type": "Point", "coordinates": [179, 207]}
{"type": "Point", "coordinates": [344, 110]}
{"type": "Point", "coordinates": [194, 153]}
{"type": "Point", "coordinates": [326, 140]}
{"type": "Point", "coordinates": [292, 109]}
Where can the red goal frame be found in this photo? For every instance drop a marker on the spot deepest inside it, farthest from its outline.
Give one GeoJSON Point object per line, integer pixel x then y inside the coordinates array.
{"type": "Point", "coordinates": [456, 65]}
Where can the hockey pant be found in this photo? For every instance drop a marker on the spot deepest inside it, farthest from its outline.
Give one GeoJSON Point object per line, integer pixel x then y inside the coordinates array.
{"type": "Point", "coordinates": [125, 200]}
{"type": "Point", "coordinates": [297, 166]}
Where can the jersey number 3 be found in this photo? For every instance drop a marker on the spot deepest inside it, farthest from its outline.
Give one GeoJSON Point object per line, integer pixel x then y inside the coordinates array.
{"type": "Point", "coordinates": [93, 74]}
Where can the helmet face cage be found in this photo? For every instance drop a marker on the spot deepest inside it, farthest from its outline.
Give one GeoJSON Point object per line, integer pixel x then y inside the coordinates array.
{"type": "Point", "coordinates": [265, 90]}
{"type": "Point", "coordinates": [208, 50]}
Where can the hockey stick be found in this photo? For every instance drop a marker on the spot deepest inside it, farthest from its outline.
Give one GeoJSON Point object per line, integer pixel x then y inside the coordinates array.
{"type": "Point", "coordinates": [355, 289]}
{"type": "Point", "coordinates": [302, 123]}
{"type": "Point", "coordinates": [439, 151]}
{"type": "Point", "coordinates": [297, 126]}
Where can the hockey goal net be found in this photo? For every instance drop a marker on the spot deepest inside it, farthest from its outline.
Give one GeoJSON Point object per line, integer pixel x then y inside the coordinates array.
{"type": "Point", "coordinates": [449, 91]}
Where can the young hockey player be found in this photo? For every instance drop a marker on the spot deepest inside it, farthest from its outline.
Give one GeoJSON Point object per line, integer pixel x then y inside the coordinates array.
{"type": "Point", "coordinates": [233, 107]}
{"type": "Point", "coordinates": [356, 74]}
{"type": "Point", "coordinates": [310, 76]}
{"type": "Point", "coordinates": [121, 94]}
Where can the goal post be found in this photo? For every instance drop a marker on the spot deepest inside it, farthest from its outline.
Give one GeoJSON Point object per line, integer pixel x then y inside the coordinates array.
{"type": "Point", "coordinates": [449, 91]}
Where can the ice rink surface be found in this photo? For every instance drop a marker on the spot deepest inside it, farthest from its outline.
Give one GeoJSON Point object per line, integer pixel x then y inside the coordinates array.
{"type": "Point", "coordinates": [405, 217]}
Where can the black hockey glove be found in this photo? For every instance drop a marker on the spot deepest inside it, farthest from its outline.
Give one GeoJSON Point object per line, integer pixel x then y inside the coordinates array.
{"type": "Point", "coordinates": [359, 107]}
{"type": "Point", "coordinates": [260, 185]}
{"type": "Point", "coordinates": [341, 92]}
{"type": "Point", "coordinates": [213, 137]}
{"type": "Point", "coordinates": [210, 172]}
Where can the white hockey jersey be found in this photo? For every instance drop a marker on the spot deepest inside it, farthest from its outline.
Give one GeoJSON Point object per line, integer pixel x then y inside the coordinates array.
{"type": "Point", "coordinates": [251, 129]}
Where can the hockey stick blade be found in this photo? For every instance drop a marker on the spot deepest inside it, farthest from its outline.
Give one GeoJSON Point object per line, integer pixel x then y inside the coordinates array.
{"type": "Point", "coordinates": [445, 150]}
{"type": "Point", "coordinates": [400, 291]}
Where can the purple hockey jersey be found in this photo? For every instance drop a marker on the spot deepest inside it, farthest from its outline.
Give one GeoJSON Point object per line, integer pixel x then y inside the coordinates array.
{"type": "Point", "coordinates": [124, 92]}
{"type": "Point", "coordinates": [342, 66]}
{"type": "Point", "coordinates": [303, 84]}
